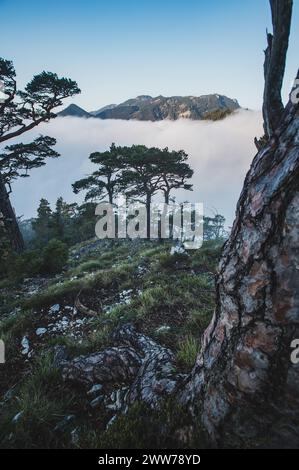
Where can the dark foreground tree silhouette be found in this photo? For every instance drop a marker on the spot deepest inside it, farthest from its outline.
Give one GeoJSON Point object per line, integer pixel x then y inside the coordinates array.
{"type": "Point", "coordinates": [244, 387]}
{"type": "Point", "coordinates": [20, 112]}
{"type": "Point", "coordinates": [15, 161]}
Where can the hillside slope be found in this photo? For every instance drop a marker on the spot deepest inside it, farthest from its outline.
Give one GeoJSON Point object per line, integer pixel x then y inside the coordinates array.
{"type": "Point", "coordinates": [168, 297]}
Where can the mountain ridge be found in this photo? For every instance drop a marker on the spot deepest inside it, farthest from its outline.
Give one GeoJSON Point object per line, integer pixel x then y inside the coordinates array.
{"type": "Point", "coordinates": [148, 108]}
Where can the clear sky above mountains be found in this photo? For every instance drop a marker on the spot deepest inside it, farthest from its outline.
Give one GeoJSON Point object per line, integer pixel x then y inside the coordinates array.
{"type": "Point", "coordinates": [119, 49]}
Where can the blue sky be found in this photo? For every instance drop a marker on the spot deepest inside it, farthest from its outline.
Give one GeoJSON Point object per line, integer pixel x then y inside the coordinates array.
{"type": "Point", "coordinates": [120, 49]}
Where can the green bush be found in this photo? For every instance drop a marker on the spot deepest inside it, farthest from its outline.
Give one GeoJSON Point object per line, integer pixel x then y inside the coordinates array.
{"type": "Point", "coordinates": [55, 256]}
{"type": "Point", "coordinates": [6, 254]}
{"type": "Point", "coordinates": [50, 260]}
{"type": "Point", "coordinates": [29, 263]}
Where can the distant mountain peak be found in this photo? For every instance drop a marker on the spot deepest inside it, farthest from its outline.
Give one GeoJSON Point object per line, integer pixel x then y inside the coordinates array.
{"type": "Point", "coordinates": [74, 110]}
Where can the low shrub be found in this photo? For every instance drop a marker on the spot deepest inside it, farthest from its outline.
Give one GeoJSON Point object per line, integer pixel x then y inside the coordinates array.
{"type": "Point", "coordinates": [49, 260]}
{"type": "Point", "coordinates": [55, 256]}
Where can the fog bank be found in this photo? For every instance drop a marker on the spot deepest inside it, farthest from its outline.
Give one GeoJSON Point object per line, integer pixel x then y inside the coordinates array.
{"type": "Point", "coordinates": [220, 154]}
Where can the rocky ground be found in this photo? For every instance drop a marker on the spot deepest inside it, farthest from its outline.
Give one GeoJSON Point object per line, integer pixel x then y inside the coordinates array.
{"type": "Point", "coordinates": [159, 291]}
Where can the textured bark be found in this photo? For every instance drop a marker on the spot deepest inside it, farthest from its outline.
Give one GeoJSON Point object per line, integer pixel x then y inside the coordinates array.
{"type": "Point", "coordinates": [274, 65]}
{"type": "Point", "coordinates": [148, 215]}
{"type": "Point", "coordinates": [10, 220]}
{"type": "Point", "coordinates": [244, 379]}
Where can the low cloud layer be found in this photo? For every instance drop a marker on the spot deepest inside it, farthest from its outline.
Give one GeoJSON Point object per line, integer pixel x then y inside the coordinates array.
{"type": "Point", "coordinates": [220, 154]}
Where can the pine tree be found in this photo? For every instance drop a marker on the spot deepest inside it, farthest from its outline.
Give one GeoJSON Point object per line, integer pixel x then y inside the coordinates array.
{"type": "Point", "coordinates": [175, 171]}
{"type": "Point", "coordinates": [104, 182]}
{"type": "Point", "coordinates": [21, 111]}
{"type": "Point", "coordinates": [150, 170]}
{"type": "Point", "coordinates": [43, 224]}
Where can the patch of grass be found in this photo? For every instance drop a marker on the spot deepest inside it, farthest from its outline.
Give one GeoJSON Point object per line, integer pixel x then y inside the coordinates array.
{"type": "Point", "coordinates": [168, 298]}
{"type": "Point", "coordinates": [199, 319]}
{"type": "Point", "coordinates": [85, 267]}
{"type": "Point", "coordinates": [187, 352]}
{"type": "Point", "coordinates": [105, 257]}
{"type": "Point", "coordinates": [105, 280]}
{"type": "Point", "coordinates": [151, 252]}
{"type": "Point", "coordinates": [9, 300]}
{"type": "Point", "coordinates": [150, 299]}
{"type": "Point", "coordinates": [42, 401]}
{"type": "Point", "coordinates": [94, 341]}
{"type": "Point", "coordinates": [206, 258]}
{"type": "Point", "coordinates": [170, 262]}
{"type": "Point", "coordinates": [119, 315]}
{"type": "Point", "coordinates": [12, 328]}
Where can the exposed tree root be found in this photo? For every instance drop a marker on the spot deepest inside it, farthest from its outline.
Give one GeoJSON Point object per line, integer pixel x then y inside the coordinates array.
{"type": "Point", "coordinates": [137, 365]}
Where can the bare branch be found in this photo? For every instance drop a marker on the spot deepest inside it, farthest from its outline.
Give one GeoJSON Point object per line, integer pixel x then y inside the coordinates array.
{"type": "Point", "coordinates": [274, 65]}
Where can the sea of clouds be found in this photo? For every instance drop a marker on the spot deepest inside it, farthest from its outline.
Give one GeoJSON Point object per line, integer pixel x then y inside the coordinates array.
{"type": "Point", "coordinates": [220, 154]}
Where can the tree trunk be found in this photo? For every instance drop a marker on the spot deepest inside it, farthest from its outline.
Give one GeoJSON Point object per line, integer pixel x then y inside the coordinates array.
{"type": "Point", "coordinates": [166, 196]}
{"type": "Point", "coordinates": [148, 215]}
{"type": "Point", "coordinates": [110, 196]}
{"type": "Point", "coordinates": [10, 220]}
{"type": "Point", "coordinates": [244, 381]}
